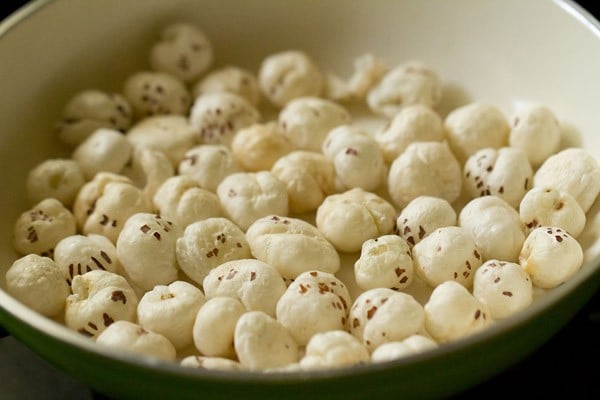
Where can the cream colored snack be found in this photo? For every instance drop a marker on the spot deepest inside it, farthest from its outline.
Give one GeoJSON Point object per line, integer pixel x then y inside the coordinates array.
{"type": "Point", "coordinates": [333, 349]}
{"type": "Point", "coordinates": [314, 302]}
{"type": "Point", "coordinates": [248, 196]}
{"type": "Point", "coordinates": [156, 93]}
{"type": "Point", "coordinates": [385, 262]}
{"type": "Point", "coordinates": [452, 313]}
{"type": "Point", "coordinates": [231, 79]}
{"type": "Point", "coordinates": [131, 337]}
{"type": "Point", "coordinates": [217, 116]}
{"type": "Point", "coordinates": [422, 216]}
{"type": "Point", "coordinates": [411, 345]}
{"type": "Point", "coordinates": [38, 283]}
{"type": "Point", "coordinates": [535, 130]}
{"type": "Point", "coordinates": [104, 150]}
{"type": "Point", "coordinates": [146, 249]}
{"type": "Point", "coordinates": [183, 50]}
{"type": "Point", "coordinates": [90, 110]}
{"type": "Point", "coordinates": [413, 123]}
{"type": "Point", "coordinates": [574, 171]}
{"type": "Point", "coordinates": [305, 121]}
{"type": "Point", "coordinates": [475, 126]}
{"type": "Point", "coordinates": [404, 85]}
{"type": "Point", "coordinates": [149, 169]}
{"type": "Point", "coordinates": [259, 146]}
{"type": "Point", "coordinates": [287, 75]}
{"type": "Point", "coordinates": [208, 164]}
{"type": "Point", "coordinates": [171, 311]}
{"type": "Point", "coordinates": [99, 298]}
{"type": "Point", "coordinates": [209, 243]}
{"type": "Point", "coordinates": [550, 256]}
{"type": "Point", "coordinates": [424, 169]}
{"type": "Point", "coordinates": [217, 363]}
{"type": "Point", "coordinates": [57, 178]}
{"type": "Point", "coordinates": [79, 254]}
{"type": "Point", "coordinates": [40, 228]}
{"type": "Point", "coordinates": [350, 218]}
{"type": "Point", "coordinates": [292, 246]}
{"type": "Point", "coordinates": [368, 70]}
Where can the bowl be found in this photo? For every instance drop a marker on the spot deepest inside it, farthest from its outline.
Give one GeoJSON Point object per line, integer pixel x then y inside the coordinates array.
{"type": "Point", "coordinates": [553, 60]}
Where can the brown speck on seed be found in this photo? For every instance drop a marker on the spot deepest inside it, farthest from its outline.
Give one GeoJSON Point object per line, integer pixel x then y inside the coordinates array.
{"type": "Point", "coordinates": [114, 223]}
{"type": "Point", "coordinates": [107, 319]}
{"type": "Point", "coordinates": [404, 279]}
{"type": "Point", "coordinates": [252, 275]}
{"type": "Point", "coordinates": [558, 238]}
{"type": "Point", "coordinates": [215, 251]}
{"type": "Point", "coordinates": [98, 263]}
{"type": "Point", "coordinates": [559, 205]}
{"type": "Point", "coordinates": [371, 312]}
{"type": "Point", "coordinates": [507, 293]}
{"type": "Point", "coordinates": [526, 183]}
{"type": "Point", "coordinates": [497, 280]}
{"type": "Point", "coordinates": [84, 332]}
{"type": "Point", "coordinates": [231, 274]}
{"type": "Point", "coordinates": [92, 325]}
{"type": "Point", "coordinates": [32, 235]}
{"type": "Point", "coordinates": [355, 323]}
{"type": "Point", "coordinates": [351, 152]}
{"type": "Point", "coordinates": [343, 320]}
{"type": "Point", "coordinates": [343, 302]}
{"type": "Point", "coordinates": [399, 271]}
{"type": "Point", "coordinates": [302, 289]}
{"type": "Point", "coordinates": [501, 189]}
{"type": "Point", "coordinates": [118, 295]}
{"type": "Point", "coordinates": [438, 249]}
{"type": "Point", "coordinates": [105, 257]}
{"type": "Point", "coordinates": [71, 270]}
{"type": "Point", "coordinates": [477, 314]}
{"type": "Point", "coordinates": [238, 244]}
{"type": "Point", "coordinates": [323, 288]}
{"type": "Point", "coordinates": [105, 220]}
{"type": "Point", "coordinates": [156, 235]}
{"type": "Point", "coordinates": [313, 273]}
{"type": "Point", "coordinates": [406, 230]}
{"type": "Point", "coordinates": [455, 275]}
{"type": "Point", "coordinates": [489, 169]}
{"type": "Point", "coordinates": [476, 254]}
{"type": "Point", "coordinates": [231, 193]}
{"type": "Point", "coordinates": [468, 174]}
{"type": "Point", "coordinates": [79, 268]}
{"type": "Point", "coordinates": [410, 240]}
{"type": "Point", "coordinates": [209, 254]}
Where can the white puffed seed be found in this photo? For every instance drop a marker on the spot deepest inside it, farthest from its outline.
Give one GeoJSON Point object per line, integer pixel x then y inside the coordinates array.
{"type": "Point", "coordinates": [536, 131]}
{"type": "Point", "coordinates": [146, 249]}
{"type": "Point", "coordinates": [181, 200]}
{"type": "Point", "coordinates": [448, 253]}
{"type": "Point", "coordinates": [156, 93]}
{"type": "Point", "coordinates": [404, 85]}
{"type": "Point", "coordinates": [350, 218]}
{"type": "Point", "coordinates": [38, 283]}
{"type": "Point", "coordinates": [248, 196]}
{"type": "Point", "coordinates": [550, 256]}
{"type": "Point", "coordinates": [314, 302]}
{"type": "Point", "coordinates": [183, 50]}
{"type": "Point", "coordinates": [495, 226]}
{"type": "Point", "coordinates": [425, 169]}
{"type": "Point", "coordinates": [422, 216]}
{"type": "Point", "coordinates": [475, 126]}
{"type": "Point", "coordinates": [259, 146]}
{"type": "Point", "coordinates": [309, 178]}
{"type": "Point", "coordinates": [59, 179]}
{"type": "Point", "coordinates": [411, 345]}
{"type": "Point", "coordinates": [368, 70]}
{"type": "Point", "coordinates": [385, 262]}
{"type": "Point", "coordinates": [78, 254]}
{"type": "Point", "coordinates": [104, 150]}
{"type": "Point", "coordinates": [357, 158]}
{"type": "Point", "coordinates": [230, 79]}
{"type": "Point", "coordinates": [292, 246]}
{"type": "Point", "coordinates": [504, 172]}
{"type": "Point", "coordinates": [40, 228]}
{"type": "Point", "coordinates": [213, 363]}
{"type": "Point", "coordinates": [261, 342]}
{"type": "Point", "coordinates": [452, 313]}
{"type": "Point", "coordinates": [414, 123]}
{"type": "Point", "coordinates": [209, 243]}
{"type": "Point", "coordinates": [90, 110]}
{"type": "Point", "coordinates": [208, 164]}
{"type": "Point", "coordinates": [504, 287]}
{"type": "Point", "coordinates": [99, 298]}
{"type": "Point", "coordinates": [574, 171]}
{"type": "Point", "coordinates": [287, 75]}
{"type": "Point", "coordinates": [149, 169]}
{"type": "Point", "coordinates": [256, 284]}
{"type": "Point", "coordinates": [305, 121]}
{"type": "Point", "coordinates": [334, 349]}
{"type": "Point", "coordinates": [214, 326]}
{"type": "Point", "coordinates": [383, 315]}
{"type": "Point", "coordinates": [550, 207]}
{"type": "Point", "coordinates": [171, 311]}
{"type": "Point", "coordinates": [131, 337]}
{"type": "Point", "coordinates": [216, 117]}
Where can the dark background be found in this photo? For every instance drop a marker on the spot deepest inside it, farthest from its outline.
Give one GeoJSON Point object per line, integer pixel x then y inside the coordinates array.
{"type": "Point", "coordinates": [549, 371]}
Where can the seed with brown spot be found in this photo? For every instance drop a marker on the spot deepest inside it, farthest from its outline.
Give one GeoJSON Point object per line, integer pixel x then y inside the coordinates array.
{"type": "Point", "coordinates": [107, 319]}
{"type": "Point", "coordinates": [84, 332]}
{"type": "Point", "coordinates": [476, 254]}
{"type": "Point", "coordinates": [371, 312]}
{"type": "Point", "coordinates": [156, 235]}
{"type": "Point", "coordinates": [303, 289]}
{"type": "Point", "coordinates": [421, 232]}
{"type": "Point", "coordinates": [313, 273]}
{"type": "Point", "coordinates": [404, 279]}
{"type": "Point", "coordinates": [105, 257]}
{"type": "Point", "coordinates": [92, 325]}
{"type": "Point", "coordinates": [477, 314]}
{"type": "Point", "coordinates": [558, 238]}
{"type": "Point", "coordinates": [252, 275]}
{"type": "Point", "coordinates": [118, 295]}
{"type": "Point", "coordinates": [507, 293]}
{"type": "Point", "coordinates": [355, 323]}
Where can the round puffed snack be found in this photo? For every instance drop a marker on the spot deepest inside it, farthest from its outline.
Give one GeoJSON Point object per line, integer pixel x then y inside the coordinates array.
{"type": "Point", "coordinates": [368, 70]}
{"type": "Point", "coordinates": [422, 216]}
{"type": "Point", "coordinates": [424, 169]}
{"type": "Point", "coordinates": [333, 349]}
{"type": "Point", "coordinates": [183, 51]}
{"type": "Point", "coordinates": [292, 246]}
{"type": "Point", "coordinates": [452, 312]}
{"type": "Point", "coordinates": [40, 228]}
{"type": "Point", "coordinates": [348, 219]}
{"type": "Point", "coordinates": [411, 345]}
{"type": "Point", "coordinates": [131, 337]}
{"type": "Point", "coordinates": [209, 243]}
{"type": "Point", "coordinates": [230, 79]}
{"type": "Point", "coordinates": [256, 284]}
{"type": "Point", "coordinates": [78, 254]}
{"type": "Point", "coordinates": [259, 146]}
{"type": "Point", "coordinates": [574, 171]}
{"type": "Point", "coordinates": [504, 287]}
{"type": "Point", "coordinates": [171, 311]}
{"type": "Point", "coordinates": [146, 249]}
{"type": "Point", "coordinates": [99, 298]}
{"type": "Point", "coordinates": [504, 172]}
{"type": "Point", "coordinates": [287, 75]}
{"type": "Point", "coordinates": [156, 93]}
{"type": "Point", "coordinates": [385, 262]}
{"type": "Point", "coordinates": [314, 302]}
{"type": "Point", "coordinates": [38, 283]}
{"type": "Point", "coordinates": [216, 117]}
{"type": "Point", "coordinates": [550, 256]}
{"type": "Point", "coordinates": [248, 196]}
{"type": "Point", "coordinates": [407, 84]}
{"type": "Point", "coordinates": [149, 169]}
{"type": "Point", "coordinates": [59, 179]}
{"type": "Point", "coordinates": [213, 363]}
{"type": "Point", "coordinates": [90, 110]}
{"type": "Point", "coordinates": [447, 253]}
{"type": "Point", "coordinates": [104, 150]}
{"type": "Point", "coordinates": [208, 164]}
{"type": "Point", "coordinates": [475, 126]}
{"type": "Point", "coordinates": [305, 121]}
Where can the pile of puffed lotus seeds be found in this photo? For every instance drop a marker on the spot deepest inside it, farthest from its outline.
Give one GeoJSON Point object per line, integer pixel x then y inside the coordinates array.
{"type": "Point", "coordinates": [188, 227]}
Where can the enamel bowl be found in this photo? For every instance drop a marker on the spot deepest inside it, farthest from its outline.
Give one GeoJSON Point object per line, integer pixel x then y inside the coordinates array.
{"type": "Point", "coordinates": [489, 51]}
